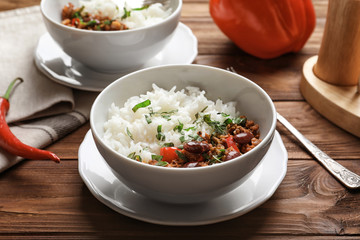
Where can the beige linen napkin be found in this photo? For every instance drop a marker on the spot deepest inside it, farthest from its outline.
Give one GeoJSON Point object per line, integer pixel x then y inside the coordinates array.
{"type": "Point", "coordinates": [41, 111]}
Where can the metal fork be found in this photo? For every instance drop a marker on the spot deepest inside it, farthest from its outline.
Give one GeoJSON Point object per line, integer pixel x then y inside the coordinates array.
{"type": "Point", "coordinates": [344, 175]}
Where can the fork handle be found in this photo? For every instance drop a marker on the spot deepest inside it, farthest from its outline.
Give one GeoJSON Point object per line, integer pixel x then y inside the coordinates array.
{"type": "Point", "coordinates": [344, 175]}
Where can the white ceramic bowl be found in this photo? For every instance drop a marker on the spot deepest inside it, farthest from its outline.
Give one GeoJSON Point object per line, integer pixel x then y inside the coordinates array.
{"type": "Point", "coordinates": [186, 185]}
{"type": "Point", "coordinates": [109, 51]}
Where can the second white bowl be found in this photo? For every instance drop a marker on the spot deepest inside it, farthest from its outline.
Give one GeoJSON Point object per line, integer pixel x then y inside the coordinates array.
{"type": "Point", "coordinates": [109, 51]}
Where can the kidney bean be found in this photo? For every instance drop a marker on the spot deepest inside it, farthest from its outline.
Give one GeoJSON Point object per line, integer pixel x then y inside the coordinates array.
{"type": "Point", "coordinates": [243, 138]}
{"type": "Point", "coordinates": [196, 147]}
{"type": "Point", "coordinates": [231, 155]}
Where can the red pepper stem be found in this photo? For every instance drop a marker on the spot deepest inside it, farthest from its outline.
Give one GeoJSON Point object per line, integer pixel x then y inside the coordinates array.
{"type": "Point", "coordinates": [8, 91]}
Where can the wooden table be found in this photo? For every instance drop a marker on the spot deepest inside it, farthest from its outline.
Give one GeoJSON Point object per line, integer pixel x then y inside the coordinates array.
{"type": "Point", "coordinates": [39, 200]}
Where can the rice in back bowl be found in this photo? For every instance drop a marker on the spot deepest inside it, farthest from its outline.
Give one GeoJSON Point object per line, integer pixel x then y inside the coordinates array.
{"type": "Point", "coordinates": [130, 132]}
{"type": "Point", "coordinates": [129, 12]}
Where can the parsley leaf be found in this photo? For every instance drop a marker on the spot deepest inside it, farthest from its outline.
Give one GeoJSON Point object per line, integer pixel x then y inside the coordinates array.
{"type": "Point", "coordinates": [240, 121]}
{"type": "Point", "coordinates": [170, 144]}
{"type": "Point", "coordinates": [126, 14]}
{"type": "Point", "coordinates": [134, 156]}
{"type": "Point", "coordinates": [156, 157]}
{"type": "Point", "coordinates": [181, 155]}
{"type": "Point", "coordinates": [160, 136]}
{"type": "Point", "coordinates": [161, 163]}
{"type": "Point", "coordinates": [129, 133]}
{"type": "Point", "coordinates": [141, 105]}
{"type": "Point", "coordinates": [179, 127]}
{"type": "Point", "coordinates": [148, 119]}
{"type": "Point", "coordinates": [215, 125]}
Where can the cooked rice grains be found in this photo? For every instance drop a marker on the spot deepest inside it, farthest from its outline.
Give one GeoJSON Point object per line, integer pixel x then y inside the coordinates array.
{"type": "Point", "coordinates": [158, 118]}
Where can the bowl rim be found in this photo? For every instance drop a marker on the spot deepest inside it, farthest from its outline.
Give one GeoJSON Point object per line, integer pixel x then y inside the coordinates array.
{"type": "Point", "coordinates": [266, 140]}
{"type": "Point", "coordinates": [174, 14]}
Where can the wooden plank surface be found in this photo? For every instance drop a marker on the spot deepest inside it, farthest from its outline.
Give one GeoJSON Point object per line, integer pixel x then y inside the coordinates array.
{"type": "Point", "coordinates": [40, 200]}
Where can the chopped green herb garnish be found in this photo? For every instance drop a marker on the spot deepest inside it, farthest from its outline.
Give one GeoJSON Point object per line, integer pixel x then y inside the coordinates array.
{"type": "Point", "coordinates": [156, 157]}
{"type": "Point", "coordinates": [129, 133]}
{"type": "Point", "coordinates": [224, 114]}
{"type": "Point", "coordinates": [170, 144]}
{"type": "Point", "coordinates": [134, 156]}
{"type": "Point", "coordinates": [182, 139]}
{"type": "Point", "coordinates": [77, 14]}
{"type": "Point", "coordinates": [91, 23]}
{"type": "Point", "coordinates": [240, 121]}
{"type": "Point", "coordinates": [107, 22]}
{"type": "Point", "coordinates": [141, 8]}
{"type": "Point", "coordinates": [203, 110]}
{"type": "Point", "coordinates": [228, 121]}
{"type": "Point", "coordinates": [160, 136]}
{"type": "Point", "coordinates": [181, 155]}
{"type": "Point", "coordinates": [190, 128]}
{"type": "Point", "coordinates": [179, 127]}
{"type": "Point", "coordinates": [161, 163]}
{"type": "Point", "coordinates": [151, 111]}
{"type": "Point", "coordinates": [170, 112]}
{"type": "Point", "coordinates": [197, 115]}
{"type": "Point", "coordinates": [141, 105]}
{"type": "Point", "coordinates": [217, 158]}
{"type": "Point", "coordinates": [215, 125]}
{"type": "Point", "coordinates": [126, 14]}
{"type": "Point", "coordinates": [196, 138]}
{"type": "Point", "coordinates": [167, 117]}
{"type": "Point", "coordinates": [148, 119]}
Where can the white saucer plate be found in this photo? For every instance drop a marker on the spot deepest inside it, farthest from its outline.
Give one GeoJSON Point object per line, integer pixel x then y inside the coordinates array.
{"type": "Point", "coordinates": [59, 67]}
{"type": "Point", "coordinates": [252, 193]}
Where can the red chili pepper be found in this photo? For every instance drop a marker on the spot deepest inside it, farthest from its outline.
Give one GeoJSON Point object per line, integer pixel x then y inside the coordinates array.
{"type": "Point", "coordinates": [230, 143]}
{"type": "Point", "coordinates": [169, 153]}
{"type": "Point", "coordinates": [10, 143]}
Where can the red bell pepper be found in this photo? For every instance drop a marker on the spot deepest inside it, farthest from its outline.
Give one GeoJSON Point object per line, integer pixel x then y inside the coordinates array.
{"type": "Point", "coordinates": [75, 21]}
{"type": "Point", "coordinates": [266, 28]}
{"type": "Point", "coordinates": [231, 143]}
{"type": "Point", "coordinates": [169, 153]}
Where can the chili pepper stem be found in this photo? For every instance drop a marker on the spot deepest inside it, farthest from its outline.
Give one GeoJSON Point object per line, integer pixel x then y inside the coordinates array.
{"type": "Point", "coordinates": [8, 91]}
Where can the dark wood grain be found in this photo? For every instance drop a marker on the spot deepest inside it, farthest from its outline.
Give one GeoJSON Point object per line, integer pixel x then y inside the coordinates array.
{"type": "Point", "coordinates": [308, 202]}
{"type": "Point", "coordinates": [42, 200]}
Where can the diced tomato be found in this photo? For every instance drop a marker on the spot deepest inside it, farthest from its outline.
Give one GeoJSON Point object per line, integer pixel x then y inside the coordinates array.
{"type": "Point", "coordinates": [231, 143]}
{"type": "Point", "coordinates": [169, 153]}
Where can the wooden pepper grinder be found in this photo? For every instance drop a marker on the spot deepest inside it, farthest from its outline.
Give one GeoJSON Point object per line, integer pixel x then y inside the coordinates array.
{"type": "Point", "coordinates": [330, 80]}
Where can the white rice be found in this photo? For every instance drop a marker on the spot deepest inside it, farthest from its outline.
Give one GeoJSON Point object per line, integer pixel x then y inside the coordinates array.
{"type": "Point", "coordinates": [129, 132]}
{"type": "Point", "coordinates": [115, 10]}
